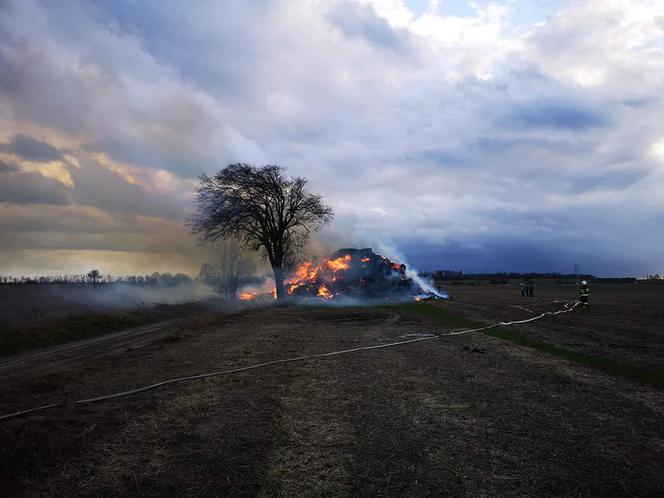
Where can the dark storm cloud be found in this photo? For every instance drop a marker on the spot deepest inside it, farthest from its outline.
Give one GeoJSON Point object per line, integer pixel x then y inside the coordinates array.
{"type": "Point", "coordinates": [362, 22]}
{"type": "Point", "coordinates": [126, 150]}
{"type": "Point", "coordinates": [557, 115]}
{"type": "Point", "coordinates": [99, 187]}
{"type": "Point", "coordinates": [637, 102]}
{"type": "Point", "coordinates": [502, 145]}
{"type": "Point", "coordinates": [37, 89]}
{"type": "Point", "coordinates": [100, 241]}
{"type": "Point", "coordinates": [32, 188]}
{"type": "Point", "coordinates": [448, 157]}
{"type": "Point", "coordinates": [185, 37]}
{"type": "Point", "coordinates": [528, 252]}
{"type": "Point", "coordinates": [613, 180]}
{"type": "Point", "coordinates": [156, 153]}
{"type": "Point", "coordinates": [7, 167]}
{"type": "Point", "coordinates": [476, 153]}
{"type": "Point", "coordinates": [104, 88]}
{"type": "Point", "coordinates": [30, 149]}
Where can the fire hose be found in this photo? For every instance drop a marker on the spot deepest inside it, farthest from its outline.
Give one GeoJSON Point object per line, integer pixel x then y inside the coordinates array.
{"type": "Point", "coordinates": [569, 306]}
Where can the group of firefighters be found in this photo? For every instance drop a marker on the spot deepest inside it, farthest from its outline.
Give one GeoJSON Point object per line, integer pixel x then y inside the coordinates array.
{"type": "Point", "coordinates": [584, 292]}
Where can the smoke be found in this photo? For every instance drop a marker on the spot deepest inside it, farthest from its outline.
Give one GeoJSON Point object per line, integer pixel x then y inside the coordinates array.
{"type": "Point", "coordinates": [265, 287]}
{"type": "Point", "coordinates": [383, 246]}
{"type": "Point", "coordinates": [34, 302]}
{"type": "Point", "coordinates": [388, 249]}
{"type": "Point", "coordinates": [125, 296]}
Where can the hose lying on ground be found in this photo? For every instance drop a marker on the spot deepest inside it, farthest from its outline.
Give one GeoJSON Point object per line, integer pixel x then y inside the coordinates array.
{"type": "Point", "coordinates": [568, 307]}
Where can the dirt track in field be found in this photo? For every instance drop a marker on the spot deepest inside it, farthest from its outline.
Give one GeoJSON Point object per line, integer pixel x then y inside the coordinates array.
{"type": "Point", "coordinates": [70, 355]}
{"type": "Point", "coordinates": [424, 419]}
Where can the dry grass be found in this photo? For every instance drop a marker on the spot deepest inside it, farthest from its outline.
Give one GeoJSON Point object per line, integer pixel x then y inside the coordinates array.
{"type": "Point", "coordinates": [44, 333]}
{"type": "Point", "coordinates": [426, 419]}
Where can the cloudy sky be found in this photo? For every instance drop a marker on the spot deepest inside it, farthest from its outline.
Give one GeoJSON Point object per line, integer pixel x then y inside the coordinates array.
{"type": "Point", "coordinates": [519, 135]}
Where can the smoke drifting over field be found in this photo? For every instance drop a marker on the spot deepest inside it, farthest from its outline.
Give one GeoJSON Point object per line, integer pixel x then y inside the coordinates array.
{"type": "Point", "coordinates": [23, 303]}
{"type": "Point", "coordinates": [122, 295]}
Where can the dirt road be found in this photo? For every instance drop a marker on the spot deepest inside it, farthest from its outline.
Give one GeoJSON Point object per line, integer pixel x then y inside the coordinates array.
{"type": "Point", "coordinates": [424, 419]}
{"type": "Point", "coordinates": [67, 356]}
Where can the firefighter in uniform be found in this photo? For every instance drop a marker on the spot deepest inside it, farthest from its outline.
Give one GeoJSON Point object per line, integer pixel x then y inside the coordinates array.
{"type": "Point", "coordinates": [584, 293]}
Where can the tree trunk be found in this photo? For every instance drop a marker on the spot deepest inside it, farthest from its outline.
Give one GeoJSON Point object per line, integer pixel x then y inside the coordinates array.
{"type": "Point", "coordinates": [279, 283]}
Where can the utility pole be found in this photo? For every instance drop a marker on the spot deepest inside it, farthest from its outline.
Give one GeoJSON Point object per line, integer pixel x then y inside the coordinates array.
{"type": "Point", "coordinates": [576, 273]}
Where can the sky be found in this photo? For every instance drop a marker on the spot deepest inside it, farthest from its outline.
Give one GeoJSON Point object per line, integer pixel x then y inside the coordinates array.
{"type": "Point", "coordinates": [479, 135]}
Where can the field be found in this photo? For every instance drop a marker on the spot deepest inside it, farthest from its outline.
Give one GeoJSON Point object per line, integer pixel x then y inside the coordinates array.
{"type": "Point", "coordinates": [31, 304]}
{"type": "Point", "coordinates": [569, 405]}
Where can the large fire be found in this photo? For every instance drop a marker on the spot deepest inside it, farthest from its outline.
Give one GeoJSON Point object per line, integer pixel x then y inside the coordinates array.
{"type": "Point", "coordinates": [352, 273]}
{"type": "Point", "coordinates": [349, 274]}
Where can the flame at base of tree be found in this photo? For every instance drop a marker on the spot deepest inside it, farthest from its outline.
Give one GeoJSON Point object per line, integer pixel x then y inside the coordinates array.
{"type": "Point", "coordinates": [258, 296]}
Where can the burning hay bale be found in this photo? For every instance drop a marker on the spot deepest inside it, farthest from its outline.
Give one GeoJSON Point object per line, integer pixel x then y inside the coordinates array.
{"type": "Point", "coordinates": [350, 274]}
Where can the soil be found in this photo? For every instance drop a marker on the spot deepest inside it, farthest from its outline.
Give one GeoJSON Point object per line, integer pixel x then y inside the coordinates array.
{"type": "Point", "coordinates": [429, 418]}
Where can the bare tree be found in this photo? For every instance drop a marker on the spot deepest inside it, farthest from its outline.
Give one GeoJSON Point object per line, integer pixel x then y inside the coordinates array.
{"type": "Point", "coordinates": [93, 276]}
{"type": "Point", "coordinates": [231, 271]}
{"type": "Point", "coordinates": [261, 208]}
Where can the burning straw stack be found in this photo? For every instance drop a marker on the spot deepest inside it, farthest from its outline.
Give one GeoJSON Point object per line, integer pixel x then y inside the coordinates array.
{"type": "Point", "coordinates": [353, 274]}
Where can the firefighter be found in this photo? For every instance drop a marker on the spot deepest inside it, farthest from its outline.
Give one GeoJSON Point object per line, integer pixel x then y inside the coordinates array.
{"type": "Point", "coordinates": [584, 293]}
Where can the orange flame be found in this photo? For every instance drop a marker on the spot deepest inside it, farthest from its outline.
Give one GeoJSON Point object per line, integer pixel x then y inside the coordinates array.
{"type": "Point", "coordinates": [247, 296]}
{"type": "Point", "coordinates": [308, 274]}
{"type": "Point", "coordinates": [341, 263]}
{"type": "Point", "coordinates": [324, 293]}
{"type": "Point", "coordinates": [322, 278]}
{"type": "Point", "coordinates": [306, 271]}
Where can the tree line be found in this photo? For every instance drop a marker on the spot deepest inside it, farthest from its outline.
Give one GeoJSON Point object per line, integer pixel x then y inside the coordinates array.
{"type": "Point", "coordinates": [499, 276]}
{"type": "Point", "coordinates": [231, 271]}
{"type": "Point", "coordinates": [96, 278]}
